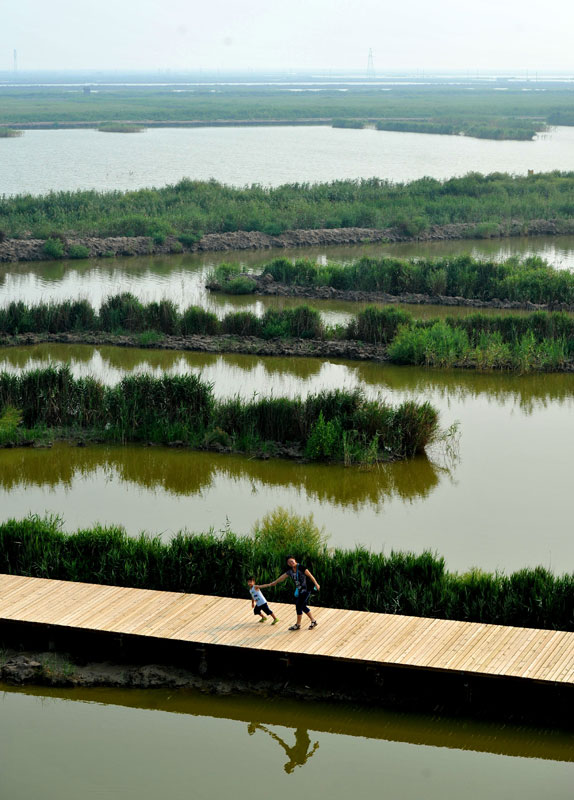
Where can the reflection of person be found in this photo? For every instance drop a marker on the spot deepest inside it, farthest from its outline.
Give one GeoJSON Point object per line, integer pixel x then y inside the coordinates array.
{"type": "Point", "coordinates": [258, 602]}
{"type": "Point", "coordinates": [302, 578]}
{"type": "Point", "coordinates": [301, 751]}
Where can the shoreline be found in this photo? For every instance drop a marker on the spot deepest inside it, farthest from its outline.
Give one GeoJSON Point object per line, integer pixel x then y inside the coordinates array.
{"type": "Point", "coordinates": [267, 287]}
{"type": "Point", "coordinates": [247, 345]}
{"type": "Point", "coordinates": [15, 250]}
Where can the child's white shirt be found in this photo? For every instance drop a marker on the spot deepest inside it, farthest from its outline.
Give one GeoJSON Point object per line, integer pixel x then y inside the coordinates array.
{"type": "Point", "coordinates": [257, 595]}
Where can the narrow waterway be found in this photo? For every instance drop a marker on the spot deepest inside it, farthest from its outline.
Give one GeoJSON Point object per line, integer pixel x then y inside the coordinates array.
{"type": "Point", "coordinates": [487, 506]}
{"type": "Point", "coordinates": [147, 744]}
{"type": "Point", "coordinates": [182, 278]}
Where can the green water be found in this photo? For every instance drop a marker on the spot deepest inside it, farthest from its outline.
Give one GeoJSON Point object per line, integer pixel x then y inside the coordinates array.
{"type": "Point", "coordinates": [503, 500]}
{"type": "Point", "coordinates": [64, 745]}
{"type": "Point", "coordinates": [182, 278]}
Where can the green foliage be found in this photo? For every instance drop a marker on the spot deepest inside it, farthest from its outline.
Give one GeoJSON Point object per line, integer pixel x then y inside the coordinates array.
{"type": "Point", "coordinates": [78, 251]}
{"type": "Point", "coordinates": [189, 207]}
{"type": "Point", "coordinates": [196, 320]}
{"type": "Point", "coordinates": [349, 123]}
{"type": "Point", "coordinates": [531, 280]}
{"type": "Point", "coordinates": [169, 408]}
{"type": "Point", "coordinates": [54, 248]}
{"type": "Point", "coordinates": [123, 312]}
{"type": "Point", "coordinates": [210, 564]}
{"type": "Point", "coordinates": [377, 325]}
{"type": "Point", "coordinates": [284, 531]}
{"type": "Point", "coordinates": [325, 442]}
{"type": "Point", "coordinates": [240, 285]}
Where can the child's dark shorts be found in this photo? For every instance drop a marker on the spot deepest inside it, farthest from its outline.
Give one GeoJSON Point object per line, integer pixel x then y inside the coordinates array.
{"type": "Point", "coordinates": [258, 609]}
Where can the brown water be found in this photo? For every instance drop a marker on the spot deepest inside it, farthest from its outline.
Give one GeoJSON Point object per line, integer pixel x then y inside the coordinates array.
{"type": "Point", "coordinates": [182, 278]}
{"type": "Point", "coordinates": [69, 744]}
{"type": "Point", "coordinates": [503, 502]}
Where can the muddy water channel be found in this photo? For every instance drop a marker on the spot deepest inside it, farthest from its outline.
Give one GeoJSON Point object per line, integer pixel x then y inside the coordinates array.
{"type": "Point", "coordinates": [182, 278]}
{"type": "Point", "coordinates": [502, 501]}
{"type": "Point", "coordinates": [149, 744]}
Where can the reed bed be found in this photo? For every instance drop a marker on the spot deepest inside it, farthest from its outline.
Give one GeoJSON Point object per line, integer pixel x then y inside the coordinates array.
{"type": "Point", "coordinates": [530, 280]}
{"type": "Point", "coordinates": [218, 564]}
{"type": "Point", "coordinates": [189, 209]}
{"type": "Point", "coordinates": [538, 341]}
{"type": "Point", "coordinates": [329, 426]}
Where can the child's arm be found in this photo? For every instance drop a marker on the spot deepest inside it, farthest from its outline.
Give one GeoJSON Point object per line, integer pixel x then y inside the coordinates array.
{"type": "Point", "coordinates": [273, 583]}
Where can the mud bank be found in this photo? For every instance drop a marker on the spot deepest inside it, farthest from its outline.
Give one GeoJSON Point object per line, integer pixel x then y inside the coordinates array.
{"type": "Point", "coordinates": [265, 285]}
{"type": "Point", "coordinates": [63, 670]}
{"type": "Point", "coordinates": [226, 343]}
{"type": "Point", "coordinates": [12, 250]}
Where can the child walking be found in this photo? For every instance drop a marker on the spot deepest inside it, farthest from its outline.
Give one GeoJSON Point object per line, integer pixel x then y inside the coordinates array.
{"type": "Point", "coordinates": [259, 603]}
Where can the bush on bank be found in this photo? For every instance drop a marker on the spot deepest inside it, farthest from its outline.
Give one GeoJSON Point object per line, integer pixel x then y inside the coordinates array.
{"type": "Point", "coordinates": [211, 564]}
{"type": "Point", "coordinates": [143, 408]}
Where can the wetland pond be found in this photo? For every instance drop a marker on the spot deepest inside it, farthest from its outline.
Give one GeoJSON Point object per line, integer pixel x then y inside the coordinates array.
{"type": "Point", "coordinates": [502, 502]}
{"type": "Point", "coordinates": [42, 161]}
{"type": "Point", "coordinates": [181, 744]}
{"type": "Point", "coordinates": [182, 278]}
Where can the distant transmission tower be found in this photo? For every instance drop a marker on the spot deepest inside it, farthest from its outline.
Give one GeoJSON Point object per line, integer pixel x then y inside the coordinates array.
{"type": "Point", "coordinates": [370, 65]}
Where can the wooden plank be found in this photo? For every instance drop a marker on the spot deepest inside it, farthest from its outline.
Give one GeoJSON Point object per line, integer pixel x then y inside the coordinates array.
{"type": "Point", "coordinates": [449, 645]}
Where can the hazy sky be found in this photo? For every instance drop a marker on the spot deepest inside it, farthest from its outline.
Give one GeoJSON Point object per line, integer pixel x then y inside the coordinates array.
{"type": "Point", "coordinates": [258, 34]}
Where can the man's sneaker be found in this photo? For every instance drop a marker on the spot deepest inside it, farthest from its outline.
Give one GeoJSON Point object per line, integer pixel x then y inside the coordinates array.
{"type": "Point", "coordinates": [295, 627]}
{"type": "Point", "coordinates": [313, 625]}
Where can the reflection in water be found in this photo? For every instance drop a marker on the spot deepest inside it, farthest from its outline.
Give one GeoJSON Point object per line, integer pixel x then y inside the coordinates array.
{"type": "Point", "coordinates": [187, 474]}
{"type": "Point", "coordinates": [299, 754]}
{"type": "Point", "coordinates": [232, 373]}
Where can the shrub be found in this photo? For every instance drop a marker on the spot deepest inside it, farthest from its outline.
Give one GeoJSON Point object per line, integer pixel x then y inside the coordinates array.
{"type": "Point", "coordinates": [286, 532]}
{"type": "Point", "coordinates": [78, 251]}
{"type": "Point", "coordinates": [54, 248]}
{"type": "Point", "coordinates": [196, 320]}
{"type": "Point", "coordinates": [325, 442]}
{"type": "Point", "coordinates": [241, 323]}
{"type": "Point", "coordinates": [123, 312]}
{"type": "Point", "coordinates": [240, 285]}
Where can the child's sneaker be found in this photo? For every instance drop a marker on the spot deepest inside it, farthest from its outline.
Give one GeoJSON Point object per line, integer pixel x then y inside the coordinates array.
{"type": "Point", "coordinates": [263, 619]}
{"type": "Point", "coordinates": [275, 621]}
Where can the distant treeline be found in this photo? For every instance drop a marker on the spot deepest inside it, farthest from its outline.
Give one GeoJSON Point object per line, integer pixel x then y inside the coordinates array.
{"type": "Point", "coordinates": [210, 564]}
{"type": "Point", "coordinates": [330, 426]}
{"type": "Point", "coordinates": [489, 205]}
{"type": "Point", "coordinates": [496, 128]}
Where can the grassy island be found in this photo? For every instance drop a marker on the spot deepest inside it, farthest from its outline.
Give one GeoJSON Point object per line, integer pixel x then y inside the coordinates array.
{"type": "Point", "coordinates": [341, 426]}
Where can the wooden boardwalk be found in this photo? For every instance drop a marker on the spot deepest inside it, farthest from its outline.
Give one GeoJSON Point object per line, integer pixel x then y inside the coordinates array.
{"type": "Point", "coordinates": [358, 636]}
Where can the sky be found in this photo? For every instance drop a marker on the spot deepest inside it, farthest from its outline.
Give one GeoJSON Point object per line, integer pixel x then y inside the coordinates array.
{"type": "Point", "coordinates": [511, 35]}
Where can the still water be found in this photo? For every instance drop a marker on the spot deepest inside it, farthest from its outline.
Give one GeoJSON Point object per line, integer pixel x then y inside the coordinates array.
{"type": "Point", "coordinates": [67, 744]}
{"type": "Point", "coordinates": [503, 501]}
{"type": "Point", "coordinates": [182, 278]}
{"type": "Point", "coordinates": [51, 160]}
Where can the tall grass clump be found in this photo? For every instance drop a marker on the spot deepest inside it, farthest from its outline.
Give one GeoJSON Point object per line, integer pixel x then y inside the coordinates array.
{"type": "Point", "coordinates": [217, 564]}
